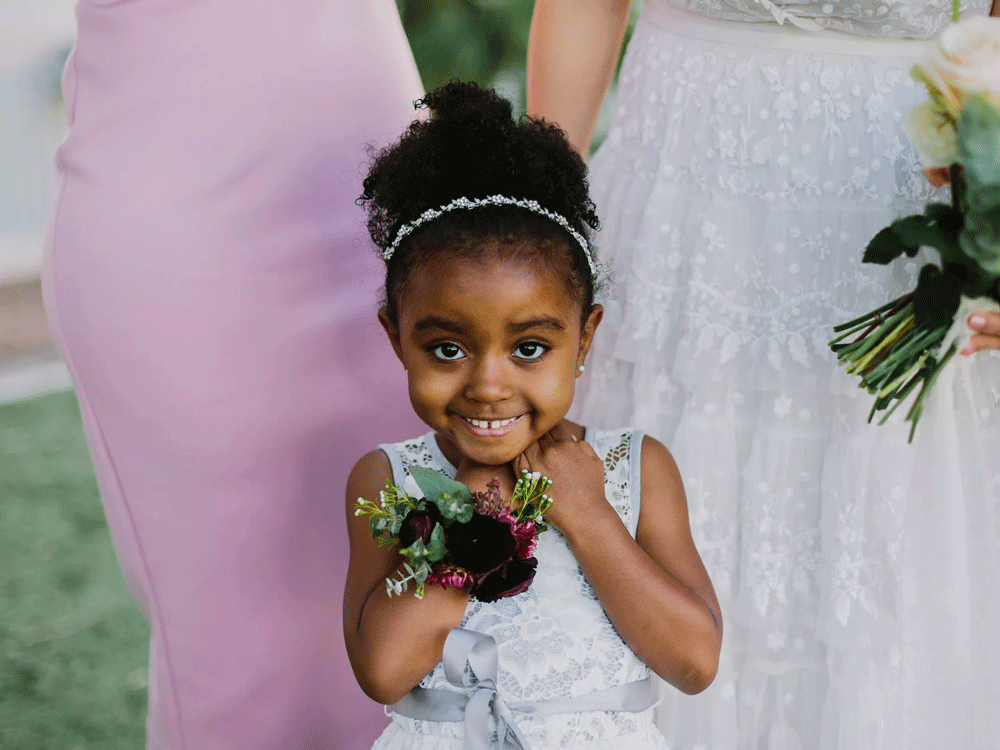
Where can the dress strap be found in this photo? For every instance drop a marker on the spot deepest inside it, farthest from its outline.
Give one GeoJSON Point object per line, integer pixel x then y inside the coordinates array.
{"type": "Point", "coordinates": [470, 664]}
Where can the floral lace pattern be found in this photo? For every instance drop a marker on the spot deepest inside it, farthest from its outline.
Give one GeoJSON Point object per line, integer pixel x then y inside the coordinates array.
{"type": "Point", "coordinates": [738, 184]}
{"type": "Point", "coordinates": [554, 640]}
{"type": "Point", "coordinates": [886, 18]}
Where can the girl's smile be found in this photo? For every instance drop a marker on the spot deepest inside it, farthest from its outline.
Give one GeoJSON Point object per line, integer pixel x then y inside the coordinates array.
{"type": "Point", "coordinates": [491, 346]}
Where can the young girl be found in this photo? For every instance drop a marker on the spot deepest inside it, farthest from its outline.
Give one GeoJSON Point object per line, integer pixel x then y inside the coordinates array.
{"type": "Point", "coordinates": [484, 222]}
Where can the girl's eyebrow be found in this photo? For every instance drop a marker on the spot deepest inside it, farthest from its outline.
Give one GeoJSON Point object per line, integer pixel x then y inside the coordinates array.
{"type": "Point", "coordinates": [433, 322]}
{"type": "Point", "coordinates": [544, 321]}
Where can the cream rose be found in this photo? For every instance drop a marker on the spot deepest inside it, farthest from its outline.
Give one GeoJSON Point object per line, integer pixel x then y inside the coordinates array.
{"type": "Point", "coordinates": [964, 60]}
{"type": "Point", "coordinates": [933, 133]}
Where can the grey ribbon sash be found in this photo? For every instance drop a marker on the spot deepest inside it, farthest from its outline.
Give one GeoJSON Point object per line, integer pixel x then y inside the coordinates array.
{"type": "Point", "coordinates": [480, 701]}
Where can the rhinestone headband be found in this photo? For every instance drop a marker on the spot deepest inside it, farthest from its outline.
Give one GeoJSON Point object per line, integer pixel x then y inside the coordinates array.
{"type": "Point", "coordinates": [493, 200]}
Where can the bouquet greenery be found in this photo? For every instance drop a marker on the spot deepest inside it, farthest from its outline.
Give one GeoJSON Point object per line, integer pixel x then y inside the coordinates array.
{"type": "Point", "coordinates": [458, 538]}
{"type": "Point", "coordinates": [903, 346]}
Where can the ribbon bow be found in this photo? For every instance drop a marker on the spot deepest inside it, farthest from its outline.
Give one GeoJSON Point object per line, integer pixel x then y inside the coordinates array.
{"type": "Point", "coordinates": [470, 664]}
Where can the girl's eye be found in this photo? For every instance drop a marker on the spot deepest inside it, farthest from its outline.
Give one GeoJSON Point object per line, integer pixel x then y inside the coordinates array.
{"type": "Point", "coordinates": [447, 351]}
{"type": "Point", "coordinates": [530, 350]}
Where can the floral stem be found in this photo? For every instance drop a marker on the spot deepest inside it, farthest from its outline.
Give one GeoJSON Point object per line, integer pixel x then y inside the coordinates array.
{"type": "Point", "coordinates": [895, 385]}
{"type": "Point", "coordinates": [902, 394]}
{"type": "Point", "coordinates": [916, 410]}
{"type": "Point", "coordinates": [886, 348]}
{"type": "Point", "coordinates": [893, 305]}
{"type": "Point", "coordinates": [907, 351]}
{"type": "Point", "coordinates": [874, 342]}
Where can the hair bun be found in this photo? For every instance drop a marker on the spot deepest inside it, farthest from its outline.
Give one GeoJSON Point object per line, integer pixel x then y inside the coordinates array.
{"type": "Point", "coordinates": [467, 104]}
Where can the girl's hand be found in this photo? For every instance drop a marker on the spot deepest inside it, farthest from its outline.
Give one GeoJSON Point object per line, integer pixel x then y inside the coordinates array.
{"type": "Point", "coordinates": [576, 471]}
{"type": "Point", "coordinates": [987, 324]}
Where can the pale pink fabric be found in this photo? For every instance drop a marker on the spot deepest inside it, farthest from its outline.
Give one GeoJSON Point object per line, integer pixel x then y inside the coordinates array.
{"type": "Point", "coordinates": [212, 290]}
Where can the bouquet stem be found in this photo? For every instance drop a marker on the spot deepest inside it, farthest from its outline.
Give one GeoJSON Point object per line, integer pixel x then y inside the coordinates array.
{"type": "Point", "coordinates": [893, 354]}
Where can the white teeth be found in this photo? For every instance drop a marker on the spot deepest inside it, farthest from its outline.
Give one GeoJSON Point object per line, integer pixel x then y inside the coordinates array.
{"type": "Point", "coordinates": [485, 424]}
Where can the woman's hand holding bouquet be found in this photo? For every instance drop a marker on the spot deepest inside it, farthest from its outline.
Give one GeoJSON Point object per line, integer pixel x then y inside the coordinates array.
{"type": "Point", "coordinates": [904, 345]}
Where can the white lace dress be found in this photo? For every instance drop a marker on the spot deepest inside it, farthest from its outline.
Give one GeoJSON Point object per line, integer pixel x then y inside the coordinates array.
{"type": "Point", "coordinates": [747, 166]}
{"type": "Point", "coordinates": [554, 640]}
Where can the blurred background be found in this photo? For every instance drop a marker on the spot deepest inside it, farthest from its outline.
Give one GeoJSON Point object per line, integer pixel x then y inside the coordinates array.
{"type": "Point", "coordinates": [72, 643]}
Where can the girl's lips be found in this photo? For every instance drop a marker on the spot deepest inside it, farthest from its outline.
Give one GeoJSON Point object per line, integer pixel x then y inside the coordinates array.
{"type": "Point", "coordinates": [486, 428]}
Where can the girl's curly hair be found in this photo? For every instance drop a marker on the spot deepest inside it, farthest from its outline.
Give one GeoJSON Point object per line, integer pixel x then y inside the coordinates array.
{"type": "Point", "coordinates": [472, 146]}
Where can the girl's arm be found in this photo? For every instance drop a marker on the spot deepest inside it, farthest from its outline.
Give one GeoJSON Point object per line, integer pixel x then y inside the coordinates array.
{"type": "Point", "coordinates": [572, 51]}
{"type": "Point", "coordinates": [654, 588]}
{"type": "Point", "coordinates": [392, 642]}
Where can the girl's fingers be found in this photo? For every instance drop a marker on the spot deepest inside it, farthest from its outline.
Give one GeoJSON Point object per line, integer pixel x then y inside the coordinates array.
{"type": "Point", "coordinates": [547, 441]}
{"type": "Point", "coordinates": [532, 457]}
{"type": "Point", "coordinates": [520, 464]}
{"type": "Point", "coordinates": [562, 432]}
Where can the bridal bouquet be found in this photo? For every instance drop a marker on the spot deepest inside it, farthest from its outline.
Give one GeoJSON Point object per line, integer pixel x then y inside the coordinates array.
{"type": "Point", "coordinates": [458, 538]}
{"type": "Point", "coordinates": [903, 346]}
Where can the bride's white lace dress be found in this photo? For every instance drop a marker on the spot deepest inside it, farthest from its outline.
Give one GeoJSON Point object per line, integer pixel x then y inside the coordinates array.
{"type": "Point", "coordinates": [746, 168]}
{"type": "Point", "coordinates": [554, 640]}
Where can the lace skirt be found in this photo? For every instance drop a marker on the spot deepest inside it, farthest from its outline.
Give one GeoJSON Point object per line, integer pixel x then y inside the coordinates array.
{"type": "Point", "coordinates": [745, 170]}
{"type": "Point", "coordinates": [579, 731]}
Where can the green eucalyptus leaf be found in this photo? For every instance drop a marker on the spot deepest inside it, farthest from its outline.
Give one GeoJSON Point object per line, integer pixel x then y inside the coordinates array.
{"type": "Point", "coordinates": [465, 514]}
{"type": "Point", "coordinates": [434, 484]}
{"type": "Point", "coordinates": [416, 552]}
{"type": "Point", "coordinates": [435, 547]}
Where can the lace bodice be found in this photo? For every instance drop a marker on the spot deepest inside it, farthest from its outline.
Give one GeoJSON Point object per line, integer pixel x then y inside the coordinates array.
{"type": "Point", "coordinates": [554, 640]}
{"type": "Point", "coordinates": [903, 19]}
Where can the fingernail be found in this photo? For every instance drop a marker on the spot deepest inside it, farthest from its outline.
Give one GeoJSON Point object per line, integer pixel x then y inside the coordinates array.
{"type": "Point", "coordinates": [977, 322]}
{"type": "Point", "coordinates": [970, 349]}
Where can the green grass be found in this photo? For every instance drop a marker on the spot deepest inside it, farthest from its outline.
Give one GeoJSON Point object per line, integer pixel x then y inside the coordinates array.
{"type": "Point", "coordinates": [73, 645]}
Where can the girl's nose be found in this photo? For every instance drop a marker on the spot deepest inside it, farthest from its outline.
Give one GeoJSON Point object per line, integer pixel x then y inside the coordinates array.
{"type": "Point", "coordinates": [488, 381]}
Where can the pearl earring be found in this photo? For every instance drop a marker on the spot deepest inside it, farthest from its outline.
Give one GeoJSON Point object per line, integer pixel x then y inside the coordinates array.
{"type": "Point", "coordinates": [581, 368]}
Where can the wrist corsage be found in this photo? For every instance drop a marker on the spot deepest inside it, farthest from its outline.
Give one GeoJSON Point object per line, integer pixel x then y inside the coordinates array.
{"type": "Point", "coordinates": [458, 538]}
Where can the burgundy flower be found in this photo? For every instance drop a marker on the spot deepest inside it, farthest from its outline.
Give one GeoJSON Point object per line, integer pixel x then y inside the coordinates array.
{"type": "Point", "coordinates": [450, 577]}
{"type": "Point", "coordinates": [418, 524]}
{"type": "Point", "coordinates": [481, 545]}
{"type": "Point", "coordinates": [510, 579]}
{"type": "Point", "coordinates": [525, 535]}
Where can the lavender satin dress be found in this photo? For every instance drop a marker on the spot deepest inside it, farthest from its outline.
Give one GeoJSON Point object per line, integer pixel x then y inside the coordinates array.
{"type": "Point", "coordinates": [212, 289]}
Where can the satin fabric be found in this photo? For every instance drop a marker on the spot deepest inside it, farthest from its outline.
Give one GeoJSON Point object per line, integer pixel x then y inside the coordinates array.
{"type": "Point", "coordinates": [471, 665]}
{"type": "Point", "coordinates": [210, 286]}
